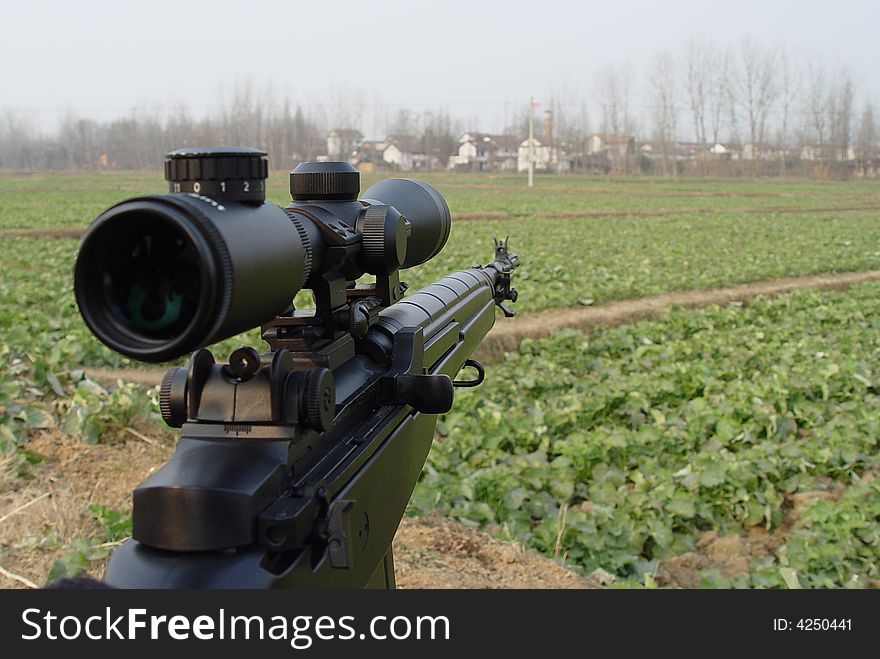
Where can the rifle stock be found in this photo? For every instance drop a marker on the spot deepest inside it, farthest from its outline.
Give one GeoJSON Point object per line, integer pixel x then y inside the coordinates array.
{"type": "Point", "coordinates": [333, 525]}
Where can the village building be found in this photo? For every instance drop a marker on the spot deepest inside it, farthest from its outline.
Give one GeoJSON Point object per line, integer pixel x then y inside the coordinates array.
{"type": "Point", "coordinates": [547, 153]}
{"type": "Point", "coordinates": [367, 156]}
{"type": "Point", "coordinates": [396, 152]}
{"type": "Point", "coordinates": [827, 152]}
{"type": "Point", "coordinates": [614, 146]}
{"type": "Point", "coordinates": [483, 152]}
{"type": "Point", "coordinates": [727, 151]}
{"type": "Point", "coordinates": [405, 153]}
{"type": "Point", "coordinates": [759, 151]}
{"type": "Point", "coordinates": [342, 142]}
{"type": "Point", "coordinates": [542, 156]}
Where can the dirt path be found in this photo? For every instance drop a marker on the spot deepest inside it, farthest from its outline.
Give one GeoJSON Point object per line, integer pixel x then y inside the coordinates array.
{"type": "Point", "coordinates": [430, 552]}
{"type": "Point", "coordinates": [145, 377]}
{"type": "Point", "coordinates": [507, 333]}
{"type": "Point", "coordinates": [77, 231]}
{"type": "Point", "coordinates": [664, 212]}
{"type": "Point", "coordinates": [42, 232]}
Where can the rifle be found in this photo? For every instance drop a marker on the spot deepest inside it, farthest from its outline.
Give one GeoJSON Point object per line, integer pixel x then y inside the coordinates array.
{"type": "Point", "coordinates": [294, 467]}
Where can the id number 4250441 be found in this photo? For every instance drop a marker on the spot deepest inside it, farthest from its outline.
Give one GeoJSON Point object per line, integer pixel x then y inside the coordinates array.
{"type": "Point", "coordinates": [812, 624]}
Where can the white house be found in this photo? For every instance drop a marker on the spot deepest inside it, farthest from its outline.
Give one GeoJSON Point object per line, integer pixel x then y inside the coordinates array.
{"type": "Point", "coordinates": [613, 146]}
{"type": "Point", "coordinates": [342, 142]}
{"type": "Point", "coordinates": [406, 152]}
{"type": "Point", "coordinates": [758, 151]}
{"type": "Point", "coordinates": [473, 151]}
{"type": "Point", "coordinates": [397, 157]}
{"type": "Point", "coordinates": [482, 152]}
{"type": "Point", "coordinates": [826, 152]}
{"type": "Point", "coordinates": [542, 156]}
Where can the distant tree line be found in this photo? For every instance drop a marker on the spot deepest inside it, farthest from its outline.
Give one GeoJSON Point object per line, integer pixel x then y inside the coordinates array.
{"type": "Point", "coordinates": [705, 92]}
{"type": "Point", "coordinates": [768, 97]}
{"type": "Point", "coordinates": [139, 141]}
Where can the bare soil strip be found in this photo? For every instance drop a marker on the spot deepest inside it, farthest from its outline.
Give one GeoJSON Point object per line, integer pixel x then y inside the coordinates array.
{"type": "Point", "coordinates": [43, 232]}
{"type": "Point", "coordinates": [644, 192]}
{"type": "Point", "coordinates": [44, 513]}
{"type": "Point", "coordinates": [664, 212]}
{"type": "Point", "coordinates": [77, 231]}
{"type": "Point", "coordinates": [507, 333]}
{"type": "Point", "coordinates": [149, 376]}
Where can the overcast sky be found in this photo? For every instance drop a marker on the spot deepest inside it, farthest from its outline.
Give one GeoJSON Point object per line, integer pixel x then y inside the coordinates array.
{"type": "Point", "coordinates": [476, 58]}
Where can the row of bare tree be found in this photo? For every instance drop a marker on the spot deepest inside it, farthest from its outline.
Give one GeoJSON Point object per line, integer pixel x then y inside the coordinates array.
{"type": "Point", "coordinates": [765, 96]}
{"type": "Point", "coordinates": [138, 141]}
{"type": "Point", "coordinates": [288, 133]}
{"type": "Point", "coordinates": [704, 92]}
{"type": "Point", "coordinates": [768, 97]}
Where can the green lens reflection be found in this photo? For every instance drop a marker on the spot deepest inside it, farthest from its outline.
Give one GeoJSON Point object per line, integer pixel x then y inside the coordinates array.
{"type": "Point", "coordinates": [152, 280]}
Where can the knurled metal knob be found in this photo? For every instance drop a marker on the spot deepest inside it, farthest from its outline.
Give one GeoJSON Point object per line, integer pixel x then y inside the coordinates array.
{"type": "Point", "coordinates": [172, 397]}
{"type": "Point", "coordinates": [221, 173]}
{"type": "Point", "coordinates": [320, 399]}
{"type": "Point", "coordinates": [325, 181]}
{"type": "Point", "coordinates": [384, 232]}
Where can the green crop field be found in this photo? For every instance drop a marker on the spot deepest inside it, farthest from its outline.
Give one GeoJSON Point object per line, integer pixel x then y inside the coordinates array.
{"type": "Point", "coordinates": [48, 200]}
{"type": "Point", "coordinates": [566, 261]}
{"type": "Point", "coordinates": [619, 449]}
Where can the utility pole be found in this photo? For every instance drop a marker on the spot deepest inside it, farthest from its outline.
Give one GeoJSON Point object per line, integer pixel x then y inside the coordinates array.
{"type": "Point", "coordinates": [531, 141]}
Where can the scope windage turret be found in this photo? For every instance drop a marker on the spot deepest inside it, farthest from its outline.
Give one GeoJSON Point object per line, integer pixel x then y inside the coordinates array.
{"type": "Point", "coordinates": [159, 276]}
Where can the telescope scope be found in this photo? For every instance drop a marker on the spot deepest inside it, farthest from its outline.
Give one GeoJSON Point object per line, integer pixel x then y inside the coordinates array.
{"type": "Point", "coordinates": [159, 276]}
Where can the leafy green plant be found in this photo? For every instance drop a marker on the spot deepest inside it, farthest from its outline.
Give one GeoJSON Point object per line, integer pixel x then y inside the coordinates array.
{"type": "Point", "coordinates": [115, 523]}
{"type": "Point", "coordinates": [80, 552]}
{"type": "Point", "coordinates": [656, 432]}
{"type": "Point", "coordinates": [837, 541]}
{"type": "Point", "coordinates": [18, 416]}
{"type": "Point", "coordinates": [93, 412]}
{"type": "Point", "coordinates": [115, 527]}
